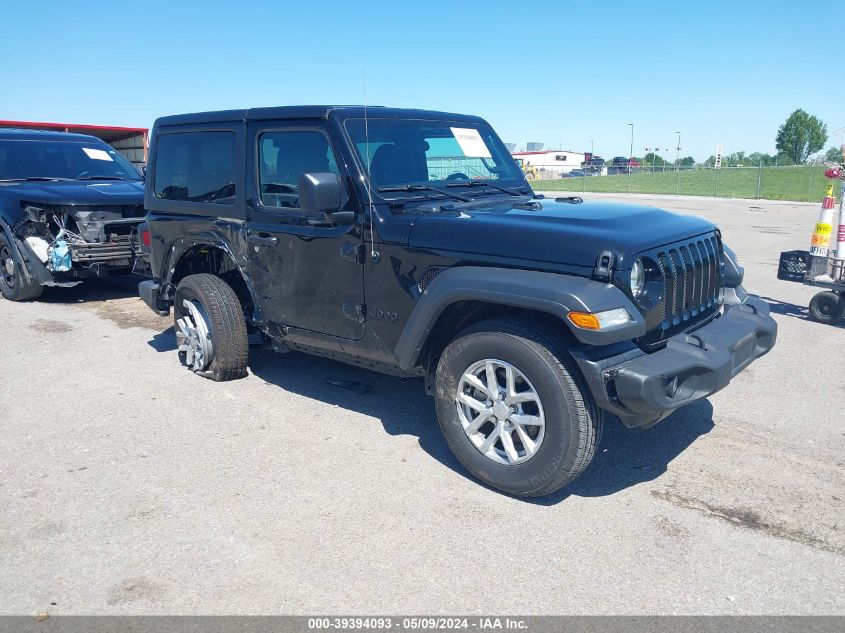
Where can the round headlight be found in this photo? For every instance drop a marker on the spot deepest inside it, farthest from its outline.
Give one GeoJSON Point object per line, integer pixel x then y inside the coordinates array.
{"type": "Point", "coordinates": [637, 279]}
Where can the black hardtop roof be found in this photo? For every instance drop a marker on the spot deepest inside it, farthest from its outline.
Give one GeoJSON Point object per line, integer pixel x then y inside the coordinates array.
{"type": "Point", "coordinates": [44, 135]}
{"type": "Point", "coordinates": [310, 112]}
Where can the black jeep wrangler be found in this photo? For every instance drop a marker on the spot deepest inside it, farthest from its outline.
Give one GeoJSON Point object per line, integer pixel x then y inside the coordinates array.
{"type": "Point", "coordinates": [69, 208]}
{"type": "Point", "coordinates": [409, 242]}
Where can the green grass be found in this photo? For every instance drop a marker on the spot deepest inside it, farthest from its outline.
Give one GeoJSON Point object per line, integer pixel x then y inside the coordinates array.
{"type": "Point", "coordinates": [799, 183]}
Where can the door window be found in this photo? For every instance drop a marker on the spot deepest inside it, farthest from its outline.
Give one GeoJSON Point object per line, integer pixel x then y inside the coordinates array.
{"type": "Point", "coordinates": [196, 167]}
{"type": "Point", "coordinates": [283, 156]}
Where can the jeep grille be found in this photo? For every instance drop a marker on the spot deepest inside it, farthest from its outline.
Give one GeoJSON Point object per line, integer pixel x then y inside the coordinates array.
{"type": "Point", "coordinates": [692, 280]}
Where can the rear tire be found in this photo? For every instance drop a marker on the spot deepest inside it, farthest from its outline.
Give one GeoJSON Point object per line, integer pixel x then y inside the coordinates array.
{"type": "Point", "coordinates": [571, 422]}
{"type": "Point", "coordinates": [827, 308]}
{"type": "Point", "coordinates": [14, 284]}
{"type": "Point", "coordinates": [207, 308]}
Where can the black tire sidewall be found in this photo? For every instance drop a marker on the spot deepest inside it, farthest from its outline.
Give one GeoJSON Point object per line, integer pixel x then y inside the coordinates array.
{"type": "Point", "coordinates": [834, 300]}
{"type": "Point", "coordinates": [561, 432]}
{"type": "Point", "coordinates": [187, 289]}
{"type": "Point", "coordinates": [23, 290]}
{"type": "Point", "coordinates": [9, 293]}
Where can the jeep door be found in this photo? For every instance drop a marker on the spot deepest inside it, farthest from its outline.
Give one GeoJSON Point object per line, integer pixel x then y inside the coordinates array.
{"type": "Point", "coordinates": [305, 270]}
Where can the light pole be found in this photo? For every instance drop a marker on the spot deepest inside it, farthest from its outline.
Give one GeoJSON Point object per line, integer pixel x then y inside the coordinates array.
{"type": "Point", "coordinates": [630, 156]}
{"type": "Point", "coordinates": [678, 165]}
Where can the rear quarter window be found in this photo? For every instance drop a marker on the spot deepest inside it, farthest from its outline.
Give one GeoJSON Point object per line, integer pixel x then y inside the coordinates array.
{"type": "Point", "coordinates": [196, 167]}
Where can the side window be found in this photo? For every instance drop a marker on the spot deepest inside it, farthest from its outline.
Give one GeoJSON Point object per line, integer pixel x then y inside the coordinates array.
{"type": "Point", "coordinates": [283, 157]}
{"type": "Point", "coordinates": [196, 167]}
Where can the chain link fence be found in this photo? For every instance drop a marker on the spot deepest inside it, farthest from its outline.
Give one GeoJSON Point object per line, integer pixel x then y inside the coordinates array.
{"type": "Point", "coordinates": [799, 183]}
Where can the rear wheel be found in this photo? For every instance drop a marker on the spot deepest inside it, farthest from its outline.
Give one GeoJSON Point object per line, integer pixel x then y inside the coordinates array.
{"type": "Point", "coordinates": [827, 307]}
{"type": "Point", "coordinates": [513, 409]}
{"type": "Point", "coordinates": [210, 328]}
{"type": "Point", "coordinates": [14, 284]}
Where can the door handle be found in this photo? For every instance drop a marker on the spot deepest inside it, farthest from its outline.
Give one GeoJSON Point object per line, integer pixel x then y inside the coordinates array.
{"type": "Point", "coordinates": [270, 240]}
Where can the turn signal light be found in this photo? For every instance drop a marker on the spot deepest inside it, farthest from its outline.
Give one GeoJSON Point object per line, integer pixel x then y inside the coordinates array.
{"type": "Point", "coordinates": [585, 320]}
{"type": "Point", "coordinates": [606, 320]}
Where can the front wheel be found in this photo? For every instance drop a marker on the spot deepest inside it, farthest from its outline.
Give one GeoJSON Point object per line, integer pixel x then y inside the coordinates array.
{"type": "Point", "coordinates": [210, 328]}
{"type": "Point", "coordinates": [14, 284]}
{"type": "Point", "coordinates": [513, 409]}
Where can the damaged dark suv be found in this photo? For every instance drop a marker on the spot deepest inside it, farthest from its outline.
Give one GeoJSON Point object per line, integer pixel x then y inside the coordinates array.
{"type": "Point", "coordinates": [70, 206]}
{"type": "Point", "coordinates": [409, 242]}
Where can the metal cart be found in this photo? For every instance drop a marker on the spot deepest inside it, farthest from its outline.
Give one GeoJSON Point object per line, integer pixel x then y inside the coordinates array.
{"type": "Point", "coordinates": [827, 306]}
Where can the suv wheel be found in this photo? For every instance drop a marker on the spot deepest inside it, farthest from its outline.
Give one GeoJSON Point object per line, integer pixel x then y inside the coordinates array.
{"type": "Point", "coordinates": [513, 409]}
{"type": "Point", "coordinates": [210, 328]}
{"type": "Point", "coordinates": [13, 285]}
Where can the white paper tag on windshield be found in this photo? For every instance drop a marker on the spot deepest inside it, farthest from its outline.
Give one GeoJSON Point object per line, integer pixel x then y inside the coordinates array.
{"type": "Point", "coordinates": [97, 154]}
{"type": "Point", "coordinates": [471, 142]}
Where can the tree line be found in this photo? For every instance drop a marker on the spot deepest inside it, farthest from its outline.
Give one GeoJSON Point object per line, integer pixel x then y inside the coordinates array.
{"type": "Point", "coordinates": [799, 139]}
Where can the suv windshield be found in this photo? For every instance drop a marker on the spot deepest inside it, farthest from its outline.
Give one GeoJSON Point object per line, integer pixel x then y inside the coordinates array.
{"type": "Point", "coordinates": [398, 152]}
{"type": "Point", "coordinates": [21, 159]}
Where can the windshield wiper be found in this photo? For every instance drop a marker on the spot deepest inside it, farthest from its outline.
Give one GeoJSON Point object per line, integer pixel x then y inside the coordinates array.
{"type": "Point", "coordinates": [450, 194]}
{"type": "Point", "coordinates": [486, 183]}
{"type": "Point", "coordinates": [102, 178]}
{"type": "Point", "coordinates": [34, 179]}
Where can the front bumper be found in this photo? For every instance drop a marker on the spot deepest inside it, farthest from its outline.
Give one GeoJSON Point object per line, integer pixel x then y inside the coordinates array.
{"type": "Point", "coordinates": [642, 388]}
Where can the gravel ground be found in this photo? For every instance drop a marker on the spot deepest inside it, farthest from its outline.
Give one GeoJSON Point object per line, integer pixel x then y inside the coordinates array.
{"type": "Point", "coordinates": [131, 486]}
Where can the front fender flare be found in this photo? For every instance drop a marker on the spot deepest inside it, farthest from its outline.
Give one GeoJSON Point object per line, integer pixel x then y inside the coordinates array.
{"type": "Point", "coordinates": [552, 293]}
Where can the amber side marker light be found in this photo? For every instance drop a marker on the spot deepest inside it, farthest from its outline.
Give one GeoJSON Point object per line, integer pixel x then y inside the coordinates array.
{"type": "Point", "coordinates": [606, 320]}
{"type": "Point", "coordinates": [585, 320]}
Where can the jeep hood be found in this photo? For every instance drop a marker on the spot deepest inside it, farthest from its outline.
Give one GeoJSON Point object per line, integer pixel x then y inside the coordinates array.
{"type": "Point", "coordinates": [77, 192]}
{"type": "Point", "coordinates": [557, 232]}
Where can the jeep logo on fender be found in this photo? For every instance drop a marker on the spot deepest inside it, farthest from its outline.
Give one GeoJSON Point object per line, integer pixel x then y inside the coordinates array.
{"type": "Point", "coordinates": [383, 315]}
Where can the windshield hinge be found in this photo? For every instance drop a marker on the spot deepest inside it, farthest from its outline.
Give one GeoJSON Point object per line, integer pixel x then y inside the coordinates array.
{"type": "Point", "coordinates": [604, 266]}
{"type": "Point", "coordinates": [352, 252]}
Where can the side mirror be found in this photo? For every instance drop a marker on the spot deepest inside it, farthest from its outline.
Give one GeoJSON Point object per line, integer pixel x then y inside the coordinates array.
{"type": "Point", "coordinates": [144, 172]}
{"type": "Point", "coordinates": [320, 192]}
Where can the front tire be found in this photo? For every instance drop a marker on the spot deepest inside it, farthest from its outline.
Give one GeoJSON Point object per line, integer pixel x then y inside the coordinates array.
{"type": "Point", "coordinates": [514, 410]}
{"type": "Point", "coordinates": [14, 284]}
{"type": "Point", "coordinates": [210, 328]}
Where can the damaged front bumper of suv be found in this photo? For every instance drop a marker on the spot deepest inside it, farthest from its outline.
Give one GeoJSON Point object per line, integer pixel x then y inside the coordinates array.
{"type": "Point", "coordinates": [61, 245]}
{"type": "Point", "coordinates": [644, 388]}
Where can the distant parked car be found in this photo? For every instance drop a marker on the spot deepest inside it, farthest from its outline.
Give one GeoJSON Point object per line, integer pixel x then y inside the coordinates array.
{"type": "Point", "coordinates": [593, 165]}
{"type": "Point", "coordinates": [623, 165]}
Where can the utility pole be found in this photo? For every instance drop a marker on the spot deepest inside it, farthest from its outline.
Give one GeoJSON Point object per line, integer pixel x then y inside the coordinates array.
{"type": "Point", "coordinates": [630, 156]}
{"type": "Point", "coordinates": [678, 165]}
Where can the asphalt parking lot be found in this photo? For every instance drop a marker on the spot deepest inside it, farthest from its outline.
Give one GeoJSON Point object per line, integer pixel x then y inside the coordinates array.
{"type": "Point", "coordinates": [131, 486]}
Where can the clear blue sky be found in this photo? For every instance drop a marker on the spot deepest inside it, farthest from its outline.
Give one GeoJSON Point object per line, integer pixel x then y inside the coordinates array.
{"type": "Point", "coordinates": [564, 72]}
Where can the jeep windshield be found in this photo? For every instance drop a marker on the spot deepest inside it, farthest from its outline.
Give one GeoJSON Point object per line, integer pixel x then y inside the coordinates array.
{"type": "Point", "coordinates": [62, 160]}
{"type": "Point", "coordinates": [418, 157]}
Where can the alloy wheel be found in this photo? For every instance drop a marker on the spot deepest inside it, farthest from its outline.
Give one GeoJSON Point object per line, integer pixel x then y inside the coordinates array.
{"type": "Point", "coordinates": [500, 411]}
{"type": "Point", "coordinates": [194, 336]}
{"type": "Point", "coordinates": [8, 272]}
